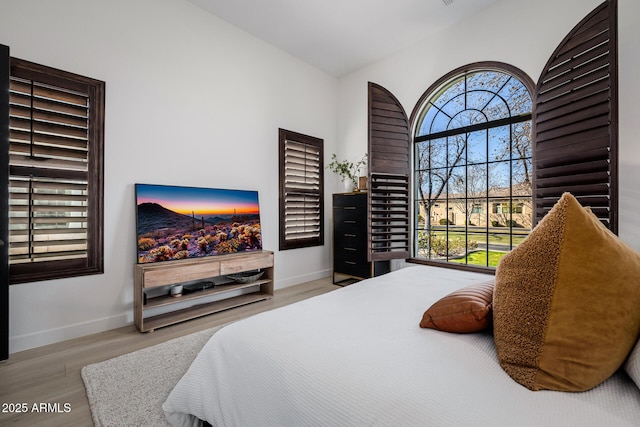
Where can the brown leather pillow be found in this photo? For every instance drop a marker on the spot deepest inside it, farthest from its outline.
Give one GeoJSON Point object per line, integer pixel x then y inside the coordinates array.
{"type": "Point", "coordinates": [565, 302]}
{"type": "Point", "coordinates": [463, 311]}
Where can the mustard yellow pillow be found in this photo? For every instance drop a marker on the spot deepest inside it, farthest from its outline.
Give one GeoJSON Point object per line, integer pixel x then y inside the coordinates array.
{"type": "Point", "coordinates": [463, 311]}
{"type": "Point", "coordinates": [565, 303]}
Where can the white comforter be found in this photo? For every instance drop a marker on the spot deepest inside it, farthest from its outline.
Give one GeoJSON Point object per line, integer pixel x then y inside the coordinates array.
{"type": "Point", "coordinates": [356, 357]}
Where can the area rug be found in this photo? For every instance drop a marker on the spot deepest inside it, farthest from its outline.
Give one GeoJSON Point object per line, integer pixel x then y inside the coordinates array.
{"type": "Point", "coordinates": [129, 390]}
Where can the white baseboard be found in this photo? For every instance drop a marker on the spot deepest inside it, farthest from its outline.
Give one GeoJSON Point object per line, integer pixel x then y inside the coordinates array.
{"type": "Point", "coordinates": [291, 281]}
{"type": "Point", "coordinates": [63, 333]}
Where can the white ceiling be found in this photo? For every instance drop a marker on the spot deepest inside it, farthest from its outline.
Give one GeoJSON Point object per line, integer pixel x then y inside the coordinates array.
{"type": "Point", "coordinates": [340, 36]}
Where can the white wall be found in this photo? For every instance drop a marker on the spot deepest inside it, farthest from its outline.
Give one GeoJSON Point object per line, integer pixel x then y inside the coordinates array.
{"type": "Point", "coordinates": [522, 33]}
{"type": "Point", "coordinates": [190, 100]}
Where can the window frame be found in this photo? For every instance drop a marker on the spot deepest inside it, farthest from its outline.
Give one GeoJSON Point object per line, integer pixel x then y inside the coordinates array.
{"type": "Point", "coordinates": [416, 117]}
{"type": "Point", "coordinates": [93, 262]}
{"type": "Point", "coordinates": [316, 191]}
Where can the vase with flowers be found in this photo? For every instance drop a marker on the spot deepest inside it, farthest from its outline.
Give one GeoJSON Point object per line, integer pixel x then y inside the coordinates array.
{"type": "Point", "coordinates": [349, 171]}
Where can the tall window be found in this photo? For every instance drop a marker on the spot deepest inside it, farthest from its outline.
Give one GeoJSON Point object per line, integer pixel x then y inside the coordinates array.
{"type": "Point", "coordinates": [55, 173]}
{"type": "Point", "coordinates": [472, 160]}
{"type": "Point", "coordinates": [301, 190]}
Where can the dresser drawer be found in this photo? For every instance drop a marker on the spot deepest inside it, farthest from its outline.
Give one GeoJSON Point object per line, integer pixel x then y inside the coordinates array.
{"type": "Point", "coordinates": [351, 268]}
{"type": "Point", "coordinates": [349, 239]}
{"type": "Point", "coordinates": [350, 253]}
{"type": "Point", "coordinates": [350, 230]}
{"type": "Point", "coordinates": [356, 200]}
{"type": "Point", "coordinates": [349, 214]}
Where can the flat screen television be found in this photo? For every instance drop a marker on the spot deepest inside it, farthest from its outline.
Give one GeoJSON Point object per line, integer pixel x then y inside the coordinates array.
{"type": "Point", "coordinates": [175, 222]}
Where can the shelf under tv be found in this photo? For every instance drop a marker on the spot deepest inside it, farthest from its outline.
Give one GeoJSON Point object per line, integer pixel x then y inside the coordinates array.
{"type": "Point", "coordinates": [177, 316]}
{"type": "Point", "coordinates": [218, 289]}
{"type": "Point", "coordinates": [149, 276]}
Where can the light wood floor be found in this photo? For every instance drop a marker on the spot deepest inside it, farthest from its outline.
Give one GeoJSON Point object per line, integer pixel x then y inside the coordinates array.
{"type": "Point", "coordinates": [51, 374]}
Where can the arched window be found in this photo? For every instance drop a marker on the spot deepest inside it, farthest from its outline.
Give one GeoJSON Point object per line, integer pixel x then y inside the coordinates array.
{"type": "Point", "coordinates": [473, 165]}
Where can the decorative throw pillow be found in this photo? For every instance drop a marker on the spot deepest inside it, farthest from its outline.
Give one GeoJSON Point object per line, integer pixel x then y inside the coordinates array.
{"type": "Point", "coordinates": [463, 311]}
{"type": "Point", "coordinates": [565, 302]}
{"type": "Point", "coordinates": [632, 365]}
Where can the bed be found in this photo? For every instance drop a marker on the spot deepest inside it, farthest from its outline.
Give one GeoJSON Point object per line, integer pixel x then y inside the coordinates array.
{"type": "Point", "coordinates": [357, 357]}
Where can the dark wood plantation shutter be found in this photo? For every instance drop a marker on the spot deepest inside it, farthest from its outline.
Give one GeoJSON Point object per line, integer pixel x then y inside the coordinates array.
{"type": "Point", "coordinates": [301, 189]}
{"type": "Point", "coordinates": [389, 172]}
{"type": "Point", "coordinates": [55, 182]}
{"type": "Point", "coordinates": [576, 119]}
{"type": "Point", "coordinates": [4, 202]}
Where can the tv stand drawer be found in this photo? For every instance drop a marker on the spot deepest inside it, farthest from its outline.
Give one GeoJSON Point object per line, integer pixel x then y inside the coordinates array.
{"type": "Point", "coordinates": [179, 271]}
{"type": "Point", "coordinates": [246, 263]}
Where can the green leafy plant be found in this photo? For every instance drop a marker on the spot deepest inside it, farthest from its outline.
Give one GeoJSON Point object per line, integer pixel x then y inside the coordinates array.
{"type": "Point", "coordinates": [441, 247]}
{"type": "Point", "coordinates": [346, 169]}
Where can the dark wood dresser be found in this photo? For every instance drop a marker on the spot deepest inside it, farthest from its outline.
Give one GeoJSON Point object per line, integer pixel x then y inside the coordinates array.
{"type": "Point", "coordinates": [350, 239]}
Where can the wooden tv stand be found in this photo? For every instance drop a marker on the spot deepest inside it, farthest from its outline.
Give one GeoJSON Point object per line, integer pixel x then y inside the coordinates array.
{"type": "Point", "coordinates": [165, 274]}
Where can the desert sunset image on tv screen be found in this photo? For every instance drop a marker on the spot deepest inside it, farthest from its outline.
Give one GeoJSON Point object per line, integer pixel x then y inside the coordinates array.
{"type": "Point", "coordinates": [187, 222]}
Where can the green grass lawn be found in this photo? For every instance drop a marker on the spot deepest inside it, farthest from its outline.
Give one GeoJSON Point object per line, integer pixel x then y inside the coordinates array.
{"type": "Point", "coordinates": [480, 258]}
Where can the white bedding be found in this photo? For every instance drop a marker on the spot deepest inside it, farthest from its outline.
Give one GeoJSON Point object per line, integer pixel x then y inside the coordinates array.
{"type": "Point", "coordinates": [356, 357]}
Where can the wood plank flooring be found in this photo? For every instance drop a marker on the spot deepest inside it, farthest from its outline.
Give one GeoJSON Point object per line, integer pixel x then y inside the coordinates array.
{"type": "Point", "coordinates": [50, 375]}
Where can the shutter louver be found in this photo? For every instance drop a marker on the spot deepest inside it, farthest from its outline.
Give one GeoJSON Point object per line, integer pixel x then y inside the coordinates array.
{"type": "Point", "coordinates": [575, 123]}
{"type": "Point", "coordinates": [301, 192]}
{"type": "Point", "coordinates": [389, 171]}
{"type": "Point", "coordinates": [48, 172]}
